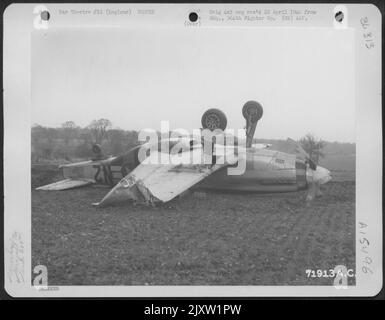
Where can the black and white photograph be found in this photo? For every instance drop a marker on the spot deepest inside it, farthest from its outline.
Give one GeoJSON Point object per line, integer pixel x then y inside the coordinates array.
{"type": "Point", "coordinates": [199, 146]}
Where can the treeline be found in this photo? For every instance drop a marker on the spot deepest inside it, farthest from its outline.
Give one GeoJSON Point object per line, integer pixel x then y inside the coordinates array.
{"type": "Point", "coordinates": [71, 142]}
{"type": "Point", "coordinates": [329, 148]}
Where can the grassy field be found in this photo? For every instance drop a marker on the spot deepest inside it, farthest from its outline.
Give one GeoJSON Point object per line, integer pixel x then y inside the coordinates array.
{"type": "Point", "coordinates": [198, 239]}
{"type": "Point", "coordinates": [342, 167]}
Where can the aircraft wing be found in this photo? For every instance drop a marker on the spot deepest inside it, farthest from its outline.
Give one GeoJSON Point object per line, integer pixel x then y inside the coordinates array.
{"type": "Point", "coordinates": [66, 184]}
{"type": "Point", "coordinates": [154, 182]}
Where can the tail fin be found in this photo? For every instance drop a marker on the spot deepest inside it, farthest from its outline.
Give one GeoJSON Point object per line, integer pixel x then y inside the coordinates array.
{"type": "Point", "coordinates": [297, 149]}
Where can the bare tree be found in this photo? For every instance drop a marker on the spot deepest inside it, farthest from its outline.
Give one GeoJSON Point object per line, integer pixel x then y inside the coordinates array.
{"type": "Point", "coordinates": [69, 128]}
{"type": "Point", "coordinates": [38, 136]}
{"type": "Point", "coordinates": [99, 129]}
{"type": "Point", "coordinates": [69, 125]}
{"type": "Point", "coordinates": [313, 146]}
{"type": "Point", "coordinates": [116, 139]}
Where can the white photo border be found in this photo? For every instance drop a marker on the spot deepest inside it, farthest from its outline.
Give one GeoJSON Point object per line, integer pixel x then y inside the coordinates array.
{"type": "Point", "coordinates": [20, 20]}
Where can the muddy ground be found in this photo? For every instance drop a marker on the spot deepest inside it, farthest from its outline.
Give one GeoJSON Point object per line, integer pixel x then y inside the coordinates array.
{"type": "Point", "coordinates": [199, 239]}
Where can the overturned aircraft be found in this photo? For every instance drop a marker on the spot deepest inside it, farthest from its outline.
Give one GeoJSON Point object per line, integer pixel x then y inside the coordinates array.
{"type": "Point", "coordinates": [139, 178]}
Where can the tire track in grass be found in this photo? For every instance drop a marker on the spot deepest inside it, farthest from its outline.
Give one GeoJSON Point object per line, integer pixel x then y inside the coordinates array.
{"type": "Point", "coordinates": [273, 258]}
{"type": "Point", "coordinates": [295, 233]}
{"type": "Point", "coordinates": [317, 239]}
{"type": "Point", "coordinates": [309, 244]}
{"type": "Point", "coordinates": [323, 242]}
{"type": "Point", "coordinates": [339, 231]}
{"type": "Point", "coordinates": [298, 243]}
{"type": "Point", "coordinates": [265, 268]}
{"type": "Point", "coordinates": [253, 252]}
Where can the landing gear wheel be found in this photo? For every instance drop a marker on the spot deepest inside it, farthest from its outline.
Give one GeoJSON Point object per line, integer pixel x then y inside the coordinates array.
{"type": "Point", "coordinates": [214, 119]}
{"type": "Point", "coordinates": [96, 148]}
{"type": "Point", "coordinates": [252, 110]}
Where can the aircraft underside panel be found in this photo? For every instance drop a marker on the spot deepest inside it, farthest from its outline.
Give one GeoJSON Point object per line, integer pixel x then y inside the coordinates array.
{"type": "Point", "coordinates": [266, 171]}
{"type": "Point", "coordinates": [161, 182]}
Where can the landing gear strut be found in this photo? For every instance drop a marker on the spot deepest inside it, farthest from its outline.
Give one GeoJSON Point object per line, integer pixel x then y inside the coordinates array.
{"type": "Point", "coordinates": [252, 111]}
{"type": "Point", "coordinates": [214, 119]}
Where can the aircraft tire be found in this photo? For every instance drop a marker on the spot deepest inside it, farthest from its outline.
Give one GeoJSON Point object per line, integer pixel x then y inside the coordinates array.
{"type": "Point", "coordinates": [214, 119]}
{"type": "Point", "coordinates": [252, 109]}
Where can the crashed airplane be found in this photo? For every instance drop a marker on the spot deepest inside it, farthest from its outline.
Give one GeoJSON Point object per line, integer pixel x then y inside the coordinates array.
{"type": "Point", "coordinates": [144, 179]}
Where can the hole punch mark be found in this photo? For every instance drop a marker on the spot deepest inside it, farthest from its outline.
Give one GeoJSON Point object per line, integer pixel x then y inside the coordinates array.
{"type": "Point", "coordinates": [339, 16]}
{"type": "Point", "coordinates": [193, 16]}
{"type": "Point", "coordinates": [45, 15]}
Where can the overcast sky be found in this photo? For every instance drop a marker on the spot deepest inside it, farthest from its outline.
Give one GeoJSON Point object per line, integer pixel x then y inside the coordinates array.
{"type": "Point", "coordinates": [303, 77]}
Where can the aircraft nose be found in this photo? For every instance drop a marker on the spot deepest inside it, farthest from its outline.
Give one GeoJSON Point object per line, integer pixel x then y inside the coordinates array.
{"type": "Point", "coordinates": [321, 175]}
